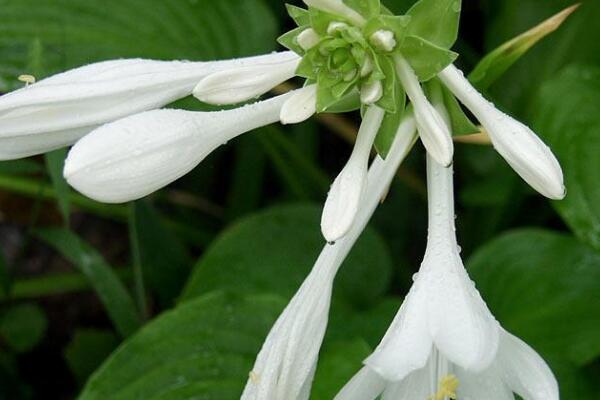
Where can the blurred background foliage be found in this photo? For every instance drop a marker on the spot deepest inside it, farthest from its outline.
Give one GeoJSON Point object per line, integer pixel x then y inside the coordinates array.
{"type": "Point", "coordinates": [170, 297]}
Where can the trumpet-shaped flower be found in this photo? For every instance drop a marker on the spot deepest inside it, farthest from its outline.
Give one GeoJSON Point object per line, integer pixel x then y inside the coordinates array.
{"type": "Point", "coordinates": [444, 342]}
{"type": "Point", "coordinates": [286, 364]}
{"type": "Point", "coordinates": [58, 110]}
{"type": "Point", "coordinates": [521, 148]}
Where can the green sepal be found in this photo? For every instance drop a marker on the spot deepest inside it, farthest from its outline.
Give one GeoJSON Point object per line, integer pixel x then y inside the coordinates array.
{"type": "Point", "coordinates": [398, 24]}
{"type": "Point", "coordinates": [327, 93]}
{"type": "Point", "coordinates": [289, 40]}
{"type": "Point", "coordinates": [366, 8]}
{"type": "Point", "coordinates": [348, 103]}
{"type": "Point", "coordinates": [436, 21]}
{"type": "Point", "coordinates": [391, 96]}
{"type": "Point", "coordinates": [310, 63]}
{"type": "Point", "coordinates": [460, 123]}
{"type": "Point", "coordinates": [389, 126]}
{"type": "Point", "coordinates": [320, 20]}
{"type": "Point", "coordinates": [426, 58]}
{"type": "Point", "coordinates": [300, 15]}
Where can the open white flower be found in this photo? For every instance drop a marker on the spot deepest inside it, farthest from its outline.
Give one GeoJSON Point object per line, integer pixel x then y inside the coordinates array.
{"type": "Point", "coordinates": [285, 366]}
{"type": "Point", "coordinates": [521, 148]}
{"type": "Point", "coordinates": [444, 342]}
{"type": "Point", "coordinates": [57, 111]}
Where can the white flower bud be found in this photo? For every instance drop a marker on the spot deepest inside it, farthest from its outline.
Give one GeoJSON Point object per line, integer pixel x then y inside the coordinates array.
{"type": "Point", "coordinates": [383, 40]}
{"type": "Point", "coordinates": [308, 38]}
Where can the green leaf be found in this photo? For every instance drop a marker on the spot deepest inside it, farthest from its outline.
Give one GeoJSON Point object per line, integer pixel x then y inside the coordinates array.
{"type": "Point", "coordinates": [55, 162]}
{"type": "Point", "coordinates": [87, 350]}
{"type": "Point", "coordinates": [389, 127]}
{"type": "Point", "coordinates": [543, 287]}
{"type": "Point", "coordinates": [393, 98]}
{"type": "Point", "coordinates": [426, 58]}
{"type": "Point", "coordinates": [289, 40]}
{"type": "Point", "coordinates": [300, 15]}
{"type": "Point", "coordinates": [461, 123]}
{"type": "Point", "coordinates": [23, 326]}
{"type": "Point", "coordinates": [88, 31]}
{"type": "Point", "coordinates": [436, 21]}
{"type": "Point", "coordinates": [113, 294]}
{"type": "Point", "coordinates": [338, 363]}
{"type": "Point", "coordinates": [497, 62]}
{"type": "Point", "coordinates": [201, 349]}
{"type": "Point", "coordinates": [164, 260]}
{"type": "Point", "coordinates": [273, 251]}
{"type": "Point", "coordinates": [566, 115]}
{"type": "Point", "coordinates": [350, 102]}
{"type": "Point", "coordinates": [396, 23]}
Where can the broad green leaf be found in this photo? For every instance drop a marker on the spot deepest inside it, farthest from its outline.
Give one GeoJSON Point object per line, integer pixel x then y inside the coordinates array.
{"type": "Point", "coordinates": [55, 162]}
{"type": "Point", "coordinates": [164, 260]}
{"type": "Point", "coordinates": [78, 32]}
{"type": "Point", "coordinates": [274, 250]}
{"type": "Point", "coordinates": [495, 63]}
{"type": "Point", "coordinates": [389, 127]}
{"type": "Point", "coordinates": [436, 21]}
{"type": "Point", "coordinates": [201, 349]}
{"type": "Point", "coordinates": [23, 326]}
{"type": "Point", "coordinates": [543, 287]}
{"type": "Point", "coordinates": [398, 24]}
{"type": "Point", "coordinates": [566, 115]}
{"type": "Point", "coordinates": [87, 350]}
{"type": "Point", "coordinates": [289, 40]}
{"type": "Point", "coordinates": [113, 294]}
{"type": "Point", "coordinates": [426, 58]}
{"type": "Point", "coordinates": [338, 363]}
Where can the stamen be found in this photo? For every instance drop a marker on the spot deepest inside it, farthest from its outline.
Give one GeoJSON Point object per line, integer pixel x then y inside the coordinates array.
{"type": "Point", "coordinates": [383, 40]}
{"type": "Point", "coordinates": [27, 79]}
{"type": "Point", "coordinates": [447, 388]}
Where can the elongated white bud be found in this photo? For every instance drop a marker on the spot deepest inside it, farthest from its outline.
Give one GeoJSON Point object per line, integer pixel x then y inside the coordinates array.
{"type": "Point", "coordinates": [348, 188]}
{"type": "Point", "coordinates": [237, 85]}
{"type": "Point", "coordinates": [57, 111]}
{"type": "Point", "coordinates": [300, 106]}
{"type": "Point", "coordinates": [337, 7]}
{"type": "Point", "coordinates": [434, 132]}
{"type": "Point", "coordinates": [526, 153]}
{"type": "Point", "coordinates": [370, 93]}
{"type": "Point", "coordinates": [132, 157]}
{"type": "Point", "coordinates": [383, 40]}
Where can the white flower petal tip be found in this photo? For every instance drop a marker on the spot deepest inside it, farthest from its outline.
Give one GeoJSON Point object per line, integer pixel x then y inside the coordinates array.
{"type": "Point", "coordinates": [347, 191]}
{"type": "Point", "coordinates": [370, 93]}
{"type": "Point", "coordinates": [57, 111]}
{"type": "Point", "coordinates": [524, 371]}
{"type": "Point", "coordinates": [524, 151]}
{"type": "Point", "coordinates": [237, 85]}
{"type": "Point", "coordinates": [308, 39]}
{"type": "Point", "coordinates": [132, 157]}
{"type": "Point", "coordinates": [343, 202]}
{"type": "Point", "coordinates": [383, 40]}
{"type": "Point", "coordinates": [300, 106]}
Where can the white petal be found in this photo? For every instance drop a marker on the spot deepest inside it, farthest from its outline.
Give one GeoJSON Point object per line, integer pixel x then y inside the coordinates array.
{"type": "Point", "coordinates": [285, 364]}
{"type": "Point", "coordinates": [237, 85]}
{"type": "Point", "coordinates": [365, 385]}
{"type": "Point", "coordinates": [370, 93]}
{"type": "Point", "coordinates": [300, 106]}
{"type": "Point", "coordinates": [462, 327]}
{"type": "Point", "coordinates": [487, 385]}
{"type": "Point", "coordinates": [407, 344]}
{"type": "Point", "coordinates": [418, 385]}
{"type": "Point", "coordinates": [524, 371]}
{"type": "Point", "coordinates": [348, 188]}
{"type": "Point", "coordinates": [520, 146]}
{"type": "Point", "coordinates": [137, 155]}
{"type": "Point", "coordinates": [308, 39]}
{"type": "Point", "coordinates": [337, 7]}
{"type": "Point", "coordinates": [79, 100]}
{"type": "Point", "coordinates": [434, 132]}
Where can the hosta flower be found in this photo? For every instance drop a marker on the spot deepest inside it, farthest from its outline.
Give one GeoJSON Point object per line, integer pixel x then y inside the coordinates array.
{"type": "Point", "coordinates": [57, 111]}
{"type": "Point", "coordinates": [444, 342]}
{"type": "Point", "coordinates": [286, 364]}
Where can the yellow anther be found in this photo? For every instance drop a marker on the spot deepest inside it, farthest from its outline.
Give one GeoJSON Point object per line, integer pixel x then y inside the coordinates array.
{"type": "Point", "coordinates": [28, 79]}
{"type": "Point", "coordinates": [254, 377]}
{"type": "Point", "coordinates": [447, 388]}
